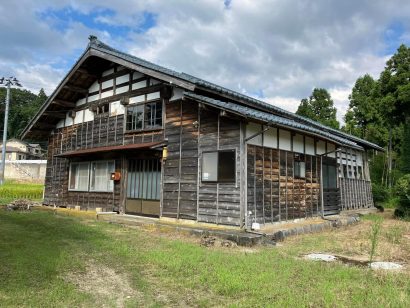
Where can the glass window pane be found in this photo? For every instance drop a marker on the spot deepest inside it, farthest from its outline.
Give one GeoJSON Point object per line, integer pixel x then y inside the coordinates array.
{"type": "Point", "coordinates": [73, 175]}
{"type": "Point", "coordinates": [226, 166]}
{"type": "Point", "coordinates": [210, 166]}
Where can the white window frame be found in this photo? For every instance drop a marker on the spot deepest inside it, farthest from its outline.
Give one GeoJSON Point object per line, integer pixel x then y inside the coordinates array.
{"type": "Point", "coordinates": [76, 180]}
{"type": "Point", "coordinates": [110, 184]}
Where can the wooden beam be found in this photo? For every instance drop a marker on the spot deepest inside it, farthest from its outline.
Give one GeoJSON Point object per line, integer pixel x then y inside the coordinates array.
{"type": "Point", "coordinates": [64, 103]}
{"type": "Point", "coordinates": [46, 126]}
{"type": "Point", "coordinates": [83, 71]}
{"type": "Point", "coordinates": [76, 89]}
{"type": "Point", "coordinates": [55, 114]}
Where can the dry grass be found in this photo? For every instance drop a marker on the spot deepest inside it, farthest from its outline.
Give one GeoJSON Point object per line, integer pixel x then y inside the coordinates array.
{"type": "Point", "coordinates": [354, 241]}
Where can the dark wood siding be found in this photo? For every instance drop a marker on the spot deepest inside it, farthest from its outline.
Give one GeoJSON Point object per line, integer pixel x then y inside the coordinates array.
{"type": "Point", "coordinates": [190, 130]}
{"type": "Point", "coordinates": [274, 194]}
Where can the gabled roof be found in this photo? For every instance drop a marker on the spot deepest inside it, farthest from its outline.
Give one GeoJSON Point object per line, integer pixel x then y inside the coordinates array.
{"type": "Point", "coordinates": [191, 83]}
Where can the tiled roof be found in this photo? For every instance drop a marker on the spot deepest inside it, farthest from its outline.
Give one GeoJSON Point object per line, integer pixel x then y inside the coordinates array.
{"type": "Point", "coordinates": [96, 44]}
{"type": "Point", "coordinates": [266, 117]}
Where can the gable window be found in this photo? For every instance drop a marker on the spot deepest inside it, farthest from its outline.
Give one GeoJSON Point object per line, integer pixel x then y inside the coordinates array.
{"type": "Point", "coordinates": [219, 166]}
{"type": "Point", "coordinates": [144, 116]}
{"type": "Point", "coordinates": [78, 178]}
{"type": "Point", "coordinates": [100, 178]}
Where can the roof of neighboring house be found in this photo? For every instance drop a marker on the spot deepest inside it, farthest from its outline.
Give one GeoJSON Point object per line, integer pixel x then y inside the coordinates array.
{"type": "Point", "coordinates": [192, 83]}
{"type": "Point", "coordinates": [14, 149]}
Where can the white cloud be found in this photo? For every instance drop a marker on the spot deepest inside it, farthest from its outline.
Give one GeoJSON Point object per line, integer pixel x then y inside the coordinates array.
{"type": "Point", "coordinates": [282, 49]}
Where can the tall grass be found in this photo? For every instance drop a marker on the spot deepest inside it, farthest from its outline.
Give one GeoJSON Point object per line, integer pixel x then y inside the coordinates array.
{"type": "Point", "coordinates": [12, 190]}
{"type": "Point", "coordinates": [374, 235]}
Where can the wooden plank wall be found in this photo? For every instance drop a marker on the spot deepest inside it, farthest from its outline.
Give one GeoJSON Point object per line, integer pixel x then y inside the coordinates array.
{"type": "Point", "coordinates": [190, 130]}
{"type": "Point", "coordinates": [272, 191]}
{"type": "Point", "coordinates": [181, 167]}
{"type": "Point", "coordinates": [102, 131]}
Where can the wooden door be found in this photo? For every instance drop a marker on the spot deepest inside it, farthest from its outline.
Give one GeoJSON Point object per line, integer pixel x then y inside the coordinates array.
{"type": "Point", "coordinates": [331, 195]}
{"type": "Point", "coordinates": [143, 187]}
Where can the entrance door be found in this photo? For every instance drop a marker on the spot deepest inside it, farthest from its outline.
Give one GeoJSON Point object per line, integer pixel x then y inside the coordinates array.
{"type": "Point", "coordinates": [143, 187]}
{"type": "Point", "coordinates": [331, 195]}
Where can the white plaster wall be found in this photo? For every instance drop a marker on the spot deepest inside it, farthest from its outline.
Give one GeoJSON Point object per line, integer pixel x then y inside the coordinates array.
{"type": "Point", "coordinates": [80, 102]}
{"type": "Point", "coordinates": [107, 94]}
{"type": "Point", "coordinates": [94, 87]}
{"type": "Point", "coordinates": [320, 147]}
{"type": "Point", "coordinates": [88, 115]}
{"type": "Point", "coordinates": [298, 146]}
{"type": "Point", "coordinates": [93, 97]}
{"type": "Point", "coordinates": [253, 128]}
{"type": "Point", "coordinates": [331, 147]}
{"type": "Point", "coordinates": [310, 145]}
{"type": "Point", "coordinates": [178, 93]}
{"type": "Point", "coordinates": [108, 72]}
{"type": "Point", "coordinates": [270, 138]}
{"type": "Point", "coordinates": [139, 84]}
{"type": "Point", "coordinates": [107, 84]}
{"type": "Point", "coordinates": [60, 123]}
{"type": "Point", "coordinates": [284, 140]}
{"type": "Point", "coordinates": [79, 117]}
{"type": "Point", "coordinates": [137, 99]}
{"type": "Point", "coordinates": [122, 79]}
{"type": "Point", "coordinates": [116, 108]}
{"type": "Point", "coordinates": [154, 95]}
{"type": "Point", "coordinates": [122, 89]}
{"type": "Point", "coordinates": [137, 75]}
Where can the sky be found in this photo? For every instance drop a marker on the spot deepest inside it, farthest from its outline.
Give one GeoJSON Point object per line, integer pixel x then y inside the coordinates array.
{"type": "Point", "coordinates": [274, 50]}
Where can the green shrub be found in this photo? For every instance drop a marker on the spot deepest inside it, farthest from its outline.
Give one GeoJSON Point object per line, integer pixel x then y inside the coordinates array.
{"type": "Point", "coordinates": [402, 191]}
{"type": "Point", "coordinates": [380, 193]}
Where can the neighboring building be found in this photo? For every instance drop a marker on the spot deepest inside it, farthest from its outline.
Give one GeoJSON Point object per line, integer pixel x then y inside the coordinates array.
{"type": "Point", "coordinates": [20, 150]}
{"type": "Point", "coordinates": [142, 139]}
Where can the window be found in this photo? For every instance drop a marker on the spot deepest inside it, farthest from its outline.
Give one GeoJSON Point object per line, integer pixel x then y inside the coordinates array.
{"type": "Point", "coordinates": [219, 166]}
{"type": "Point", "coordinates": [299, 166]}
{"type": "Point", "coordinates": [94, 176]}
{"type": "Point", "coordinates": [100, 179]}
{"type": "Point", "coordinates": [78, 179]}
{"type": "Point", "coordinates": [144, 116]}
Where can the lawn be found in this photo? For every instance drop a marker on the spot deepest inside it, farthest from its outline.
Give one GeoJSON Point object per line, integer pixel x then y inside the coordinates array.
{"type": "Point", "coordinates": [50, 260]}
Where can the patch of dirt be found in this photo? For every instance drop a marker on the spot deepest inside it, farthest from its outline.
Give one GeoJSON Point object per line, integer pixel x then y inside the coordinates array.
{"type": "Point", "coordinates": [107, 285]}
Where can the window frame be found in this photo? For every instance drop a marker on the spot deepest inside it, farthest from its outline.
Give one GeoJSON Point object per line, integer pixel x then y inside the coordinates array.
{"type": "Point", "coordinates": [217, 177]}
{"type": "Point", "coordinates": [89, 174]}
{"type": "Point", "coordinates": [144, 103]}
{"type": "Point", "coordinates": [111, 189]}
{"type": "Point", "coordinates": [76, 180]}
{"type": "Point", "coordinates": [299, 159]}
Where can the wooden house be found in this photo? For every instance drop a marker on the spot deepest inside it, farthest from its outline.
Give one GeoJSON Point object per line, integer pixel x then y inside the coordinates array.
{"type": "Point", "coordinates": [133, 137]}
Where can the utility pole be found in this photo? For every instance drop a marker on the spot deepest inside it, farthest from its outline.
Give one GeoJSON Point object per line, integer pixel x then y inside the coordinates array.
{"type": "Point", "coordinates": [8, 82]}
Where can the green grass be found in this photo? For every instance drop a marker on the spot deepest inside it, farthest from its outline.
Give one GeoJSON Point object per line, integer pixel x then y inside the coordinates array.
{"type": "Point", "coordinates": [12, 190]}
{"type": "Point", "coordinates": [39, 249]}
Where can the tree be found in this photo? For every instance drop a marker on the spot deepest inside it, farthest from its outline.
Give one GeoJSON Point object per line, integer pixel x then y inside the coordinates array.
{"type": "Point", "coordinates": [23, 106]}
{"type": "Point", "coordinates": [319, 107]}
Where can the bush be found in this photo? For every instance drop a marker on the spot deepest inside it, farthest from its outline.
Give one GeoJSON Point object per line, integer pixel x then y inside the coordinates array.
{"type": "Point", "coordinates": [402, 190]}
{"type": "Point", "coordinates": [380, 193]}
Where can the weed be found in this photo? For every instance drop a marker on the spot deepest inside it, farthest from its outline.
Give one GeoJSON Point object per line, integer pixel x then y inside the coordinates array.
{"type": "Point", "coordinates": [394, 234]}
{"type": "Point", "coordinates": [374, 235]}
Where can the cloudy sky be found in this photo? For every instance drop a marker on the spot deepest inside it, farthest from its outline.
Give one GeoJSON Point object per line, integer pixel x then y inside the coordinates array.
{"type": "Point", "coordinates": [275, 50]}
